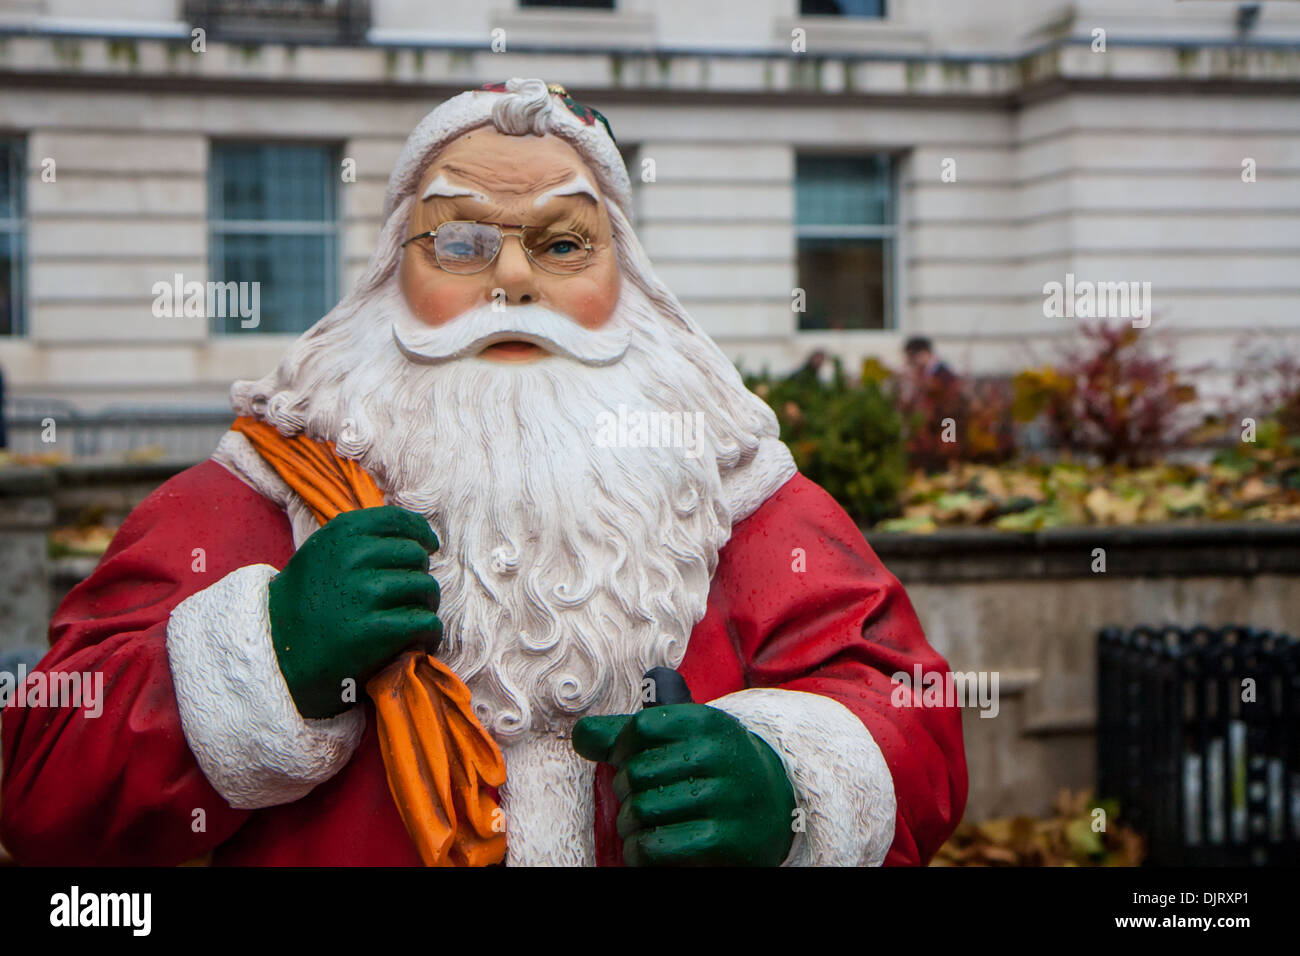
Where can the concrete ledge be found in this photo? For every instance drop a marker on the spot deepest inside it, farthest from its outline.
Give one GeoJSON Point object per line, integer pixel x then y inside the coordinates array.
{"type": "Point", "coordinates": [1234, 549]}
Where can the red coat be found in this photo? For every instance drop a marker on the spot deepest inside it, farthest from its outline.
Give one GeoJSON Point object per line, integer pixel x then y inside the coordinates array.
{"type": "Point", "coordinates": [123, 788]}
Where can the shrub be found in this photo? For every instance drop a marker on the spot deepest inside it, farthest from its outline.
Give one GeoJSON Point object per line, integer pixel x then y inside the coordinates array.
{"type": "Point", "coordinates": [982, 424]}
{"type": "Point", "coordinates": [1267, 388]}
{"type": "Point", "coordinates": [844, 436]}
{"type": "Point", "coordinates": [1110, 397]}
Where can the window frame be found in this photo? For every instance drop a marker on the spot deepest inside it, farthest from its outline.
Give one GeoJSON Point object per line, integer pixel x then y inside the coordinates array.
{"type": "Point", "coordinates": [890, 235]}
{"type": "Point", "coordinates": [218, 229]}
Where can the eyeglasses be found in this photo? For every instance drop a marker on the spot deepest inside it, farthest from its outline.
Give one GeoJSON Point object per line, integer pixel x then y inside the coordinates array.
{"type": "Point", "coordinates": [465, 247]}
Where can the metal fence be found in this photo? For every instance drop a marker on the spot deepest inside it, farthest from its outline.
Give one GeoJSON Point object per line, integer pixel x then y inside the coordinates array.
{"type": "Point", "coordinates": [182, 434]}
{"type": "Point", "coordinates": [1198, 738]}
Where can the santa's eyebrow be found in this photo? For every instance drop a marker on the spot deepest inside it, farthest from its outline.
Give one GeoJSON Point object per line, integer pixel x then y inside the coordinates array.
{"type": "Point", "coordinates": [577, 186]}
{"type": "Point", "coordinates": [440, 187]}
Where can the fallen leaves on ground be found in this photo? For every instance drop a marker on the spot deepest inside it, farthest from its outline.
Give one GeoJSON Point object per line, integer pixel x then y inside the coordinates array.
{"type": "Point", "coordinates": [11, 459]}
{"type": "Point", "coordinates": [1251, 485]}
{"type": "Point", "coordinates": [1069, 837]}
{"type": "Point", "coordinates": [92, 540]}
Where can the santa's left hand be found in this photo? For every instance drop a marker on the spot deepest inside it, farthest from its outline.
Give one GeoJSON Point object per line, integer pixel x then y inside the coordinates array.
{"type": "Point", "coordinates": [696, 787]}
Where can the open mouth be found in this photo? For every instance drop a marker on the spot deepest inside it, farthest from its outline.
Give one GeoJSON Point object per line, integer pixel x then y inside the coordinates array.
{"type": "Point", "coordinates": [512, 350]}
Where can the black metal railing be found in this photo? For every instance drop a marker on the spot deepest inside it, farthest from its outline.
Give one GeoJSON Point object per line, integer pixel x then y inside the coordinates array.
{"type": "Point", "coordinates": [1198, 738]}
{"type": "Point", "coordinates": [182, 434]}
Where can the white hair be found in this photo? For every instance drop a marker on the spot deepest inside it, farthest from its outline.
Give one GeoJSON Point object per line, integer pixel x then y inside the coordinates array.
{"type": "Point", "coordinates": [524, 108]}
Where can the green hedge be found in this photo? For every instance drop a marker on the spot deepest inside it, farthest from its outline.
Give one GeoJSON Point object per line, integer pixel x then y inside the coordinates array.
{"type": "Point", "coordinates": [845, 436]}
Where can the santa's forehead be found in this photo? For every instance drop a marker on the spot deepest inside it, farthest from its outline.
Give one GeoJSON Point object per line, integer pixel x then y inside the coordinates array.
{"type": "Point", "coordinates": [486, 161]}
{"type": "Point", "coordinates": [443, 185]}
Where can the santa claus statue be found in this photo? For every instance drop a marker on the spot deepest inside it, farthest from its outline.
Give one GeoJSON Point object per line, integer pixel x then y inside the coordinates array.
{"type": "Point", "coordinates": [502, 562]}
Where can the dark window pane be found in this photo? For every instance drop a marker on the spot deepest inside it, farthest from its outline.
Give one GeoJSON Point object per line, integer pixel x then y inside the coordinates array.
{"type": "Point", "coordinates": [843, 190]}
{"type": "Point", "coordinates": [288, 182]}
{"type": "Point", "coordinates": [12, 185]}
{"type": "Point", "coordinates": [11, 178]}
{"type": "Point", "coordinates": [295, 273]}
{"type": "Point", "coordinates": [844, 281]}
{"type": "Point", "coordinates": [11, 283]}
{"type": "Point", "coordinates": [843, 8]}
{"type": "Point", "coordinates": [588, 4]}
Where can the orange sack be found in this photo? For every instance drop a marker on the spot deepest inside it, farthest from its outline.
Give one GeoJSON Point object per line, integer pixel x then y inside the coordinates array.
{"type": "Point", "coordinates": [442, 765]}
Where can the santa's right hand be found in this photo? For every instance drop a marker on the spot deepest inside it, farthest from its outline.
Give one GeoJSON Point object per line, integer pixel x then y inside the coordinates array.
{"type": "Point", "coordinates": [354, 596]}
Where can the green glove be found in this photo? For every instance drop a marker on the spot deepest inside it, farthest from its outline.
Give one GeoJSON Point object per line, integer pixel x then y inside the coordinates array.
{"type": "Point", "coordinates": [696, 787]}
{"type": "Point", "coordinates": [355, 595]}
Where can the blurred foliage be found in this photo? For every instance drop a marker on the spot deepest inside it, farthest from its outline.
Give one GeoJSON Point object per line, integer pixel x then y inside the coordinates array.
{"type": "Point", "coordinates": [982, 424]}
{"type": "Point", "coordinates": [844, 436]}
{"type": "Point", "coordinates": [1266, 386]}
{"type": "Point", "coordinates": [1110, 397]}
{"type": "Point", "coordinates": [12, 459]}
{"type": "Point", "coordinates": [1066, 838]}
{"type": "Point", "coordinates": [89, 537]}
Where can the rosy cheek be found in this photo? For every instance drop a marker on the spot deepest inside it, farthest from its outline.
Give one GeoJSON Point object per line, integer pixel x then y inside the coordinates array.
{"type": "Point", "coordinates": [592, 303]}
{"type": "Point", "coordinates": [434, 299]}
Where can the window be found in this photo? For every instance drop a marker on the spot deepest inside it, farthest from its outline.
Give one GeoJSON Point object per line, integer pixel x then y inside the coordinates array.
{"type": "Point", "coordinates": [845, 224]}
{"type": "Point", "coordinates": [843, 8]}
{"type": "Point", "coordinates": [274, 221]}
{"type": "Point", "coordinates": [12, 288]}
{"type": "Point", "coordinates": [585, 4]}
{"type": "Point", "coordinates": [287, 21]}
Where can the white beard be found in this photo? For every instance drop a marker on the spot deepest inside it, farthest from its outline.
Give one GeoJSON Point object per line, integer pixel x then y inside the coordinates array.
{"type": "Point", "coordinates": [567, 568]}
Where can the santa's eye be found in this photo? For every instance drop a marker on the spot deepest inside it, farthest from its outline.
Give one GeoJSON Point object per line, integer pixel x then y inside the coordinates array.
{"type": "Point", "coordinates": [563, 247]}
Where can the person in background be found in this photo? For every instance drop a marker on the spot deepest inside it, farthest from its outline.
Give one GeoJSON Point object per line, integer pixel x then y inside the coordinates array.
{"type": "Point", "coordinates": [810, 371]}
{"type": "Point", "coordinates": [924, 364]}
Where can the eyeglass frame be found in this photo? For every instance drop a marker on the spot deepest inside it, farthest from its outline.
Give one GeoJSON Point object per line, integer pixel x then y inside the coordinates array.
{"type": "Point", "coordinates": [501, 227]}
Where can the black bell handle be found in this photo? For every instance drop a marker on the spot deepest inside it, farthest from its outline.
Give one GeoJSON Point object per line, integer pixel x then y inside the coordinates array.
{"type": "Point", "coordinates": [666, 686]}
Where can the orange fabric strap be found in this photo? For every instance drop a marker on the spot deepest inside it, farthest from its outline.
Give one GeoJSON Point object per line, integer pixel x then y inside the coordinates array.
{"type": "Point", "coordinates": [441, 762]}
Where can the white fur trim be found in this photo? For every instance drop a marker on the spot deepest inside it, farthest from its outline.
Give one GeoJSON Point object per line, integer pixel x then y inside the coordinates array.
{"type": "Point", "coordinates": [747, 487]}
{"type": "Point", "coordinates": [472, 109]}
{"type": "Point", "coordinates": [236, 454]}
{"type": "Point", "coordinates": [549, 803]}
{"type": "Point", "coordinates": [838, 773]}
{"type": "Point", "coordinates": [238, 716]}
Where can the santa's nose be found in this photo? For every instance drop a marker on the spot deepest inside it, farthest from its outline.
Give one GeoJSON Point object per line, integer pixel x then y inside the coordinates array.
{"type": "Point", "coordinates": [513, 275]}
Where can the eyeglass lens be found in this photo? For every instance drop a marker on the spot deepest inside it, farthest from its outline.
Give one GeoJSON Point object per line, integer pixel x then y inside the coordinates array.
{"type": "Point", "coordinates": [466, 247]}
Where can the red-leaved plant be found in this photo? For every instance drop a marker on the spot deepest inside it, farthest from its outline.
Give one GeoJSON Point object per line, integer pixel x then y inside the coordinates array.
{"type": "Point", "coordinates": [1109, 396]}
{"type": "Point", "coordinates": [982, 429]}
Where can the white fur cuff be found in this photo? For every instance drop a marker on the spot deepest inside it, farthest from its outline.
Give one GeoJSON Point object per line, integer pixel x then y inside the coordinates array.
{"type": "Point", "coordinates": [840, 779]}
{"type": "Point", "coordinates": [239, 718]}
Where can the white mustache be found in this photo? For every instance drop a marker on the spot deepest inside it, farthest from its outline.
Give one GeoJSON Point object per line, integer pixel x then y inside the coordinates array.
{"type": "Point", "coordinates": [472, 331]}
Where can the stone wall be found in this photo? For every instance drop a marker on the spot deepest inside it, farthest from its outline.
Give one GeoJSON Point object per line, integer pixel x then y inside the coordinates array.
{"type": "Point", "coordinates": [34, 501]}
{"type": "Point", "coordinates": [1029, 607]}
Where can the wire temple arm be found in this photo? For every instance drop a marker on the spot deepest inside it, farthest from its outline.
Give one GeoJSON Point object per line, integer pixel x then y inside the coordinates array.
{"type": "Point", "coordinates": [421, 235]}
